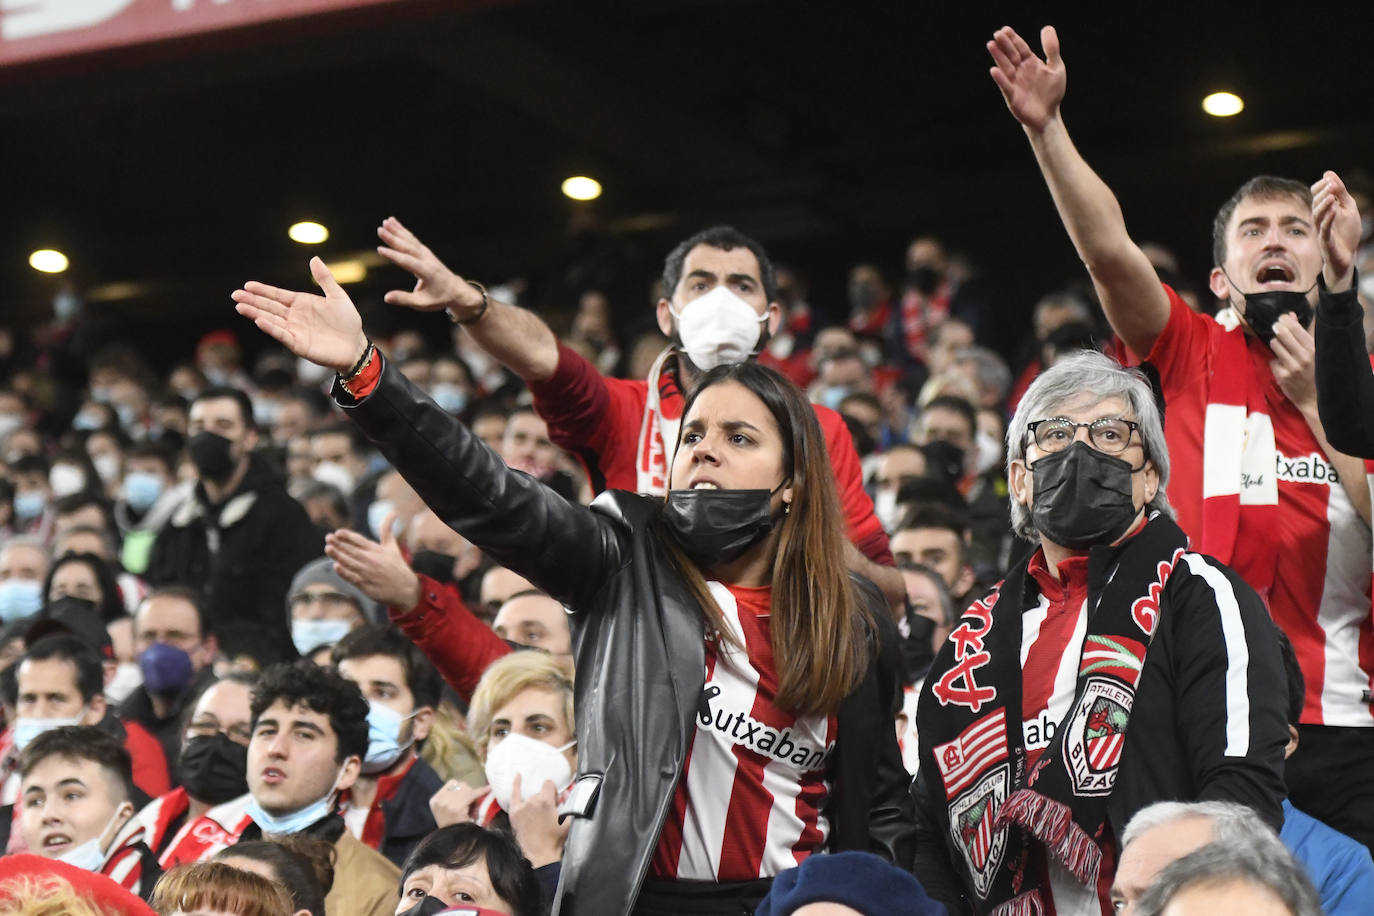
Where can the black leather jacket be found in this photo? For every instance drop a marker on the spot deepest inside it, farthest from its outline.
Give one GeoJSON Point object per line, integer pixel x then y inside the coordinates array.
{"type": "Point", "coordinates": [638, 638]}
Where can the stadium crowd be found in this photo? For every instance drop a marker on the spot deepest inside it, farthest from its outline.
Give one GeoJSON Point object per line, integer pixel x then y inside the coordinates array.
{"type": "Point", "coordinates": [776, 608]}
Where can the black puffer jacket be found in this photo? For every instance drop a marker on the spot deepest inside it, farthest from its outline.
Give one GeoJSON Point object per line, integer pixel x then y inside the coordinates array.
{"type": "Point", "coordinates": [639, 648]}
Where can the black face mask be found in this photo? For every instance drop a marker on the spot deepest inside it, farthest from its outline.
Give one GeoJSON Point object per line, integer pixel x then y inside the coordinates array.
{"type": "Point", "coordinates": [427, 907]}
{"type": "Point", "coordinates": [924, 279]}
{"type": "Point", "coordinates": [1263, 309]}
{"type": "Point", "coordinates": [438, 566]}
{"type": "Point", "coordinates": [916, 648]}
{"type": "Point", "coordinates": [212, 454]}
{"type": "Point", "coordinates": [718, 526]}
{"type": "Point", "coordinates": [1082, 497]}
{"type": "Point", "coordinates": [946, 459]}
{"type": "Point", "coordinates": [213, 768]}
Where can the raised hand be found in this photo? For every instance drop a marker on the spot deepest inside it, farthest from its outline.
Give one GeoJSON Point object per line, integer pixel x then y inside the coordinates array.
{"type": "Point", "coordinates": [377, 569]}
{"type": "Point", "coordinates": [1295, 362]}
{"type": "Point", "coordinates": [1338, 229]}
{"type": "Point", "coordinates": [452, 804]}
{"type": "Point", "coordinates": [534, 821]}
{"type": "Point", "coordinates": [1032, 88]}
{"type": "Point", "coordinates": [327, 330]}
{"type": "Point", "coordinates": [436, 287]}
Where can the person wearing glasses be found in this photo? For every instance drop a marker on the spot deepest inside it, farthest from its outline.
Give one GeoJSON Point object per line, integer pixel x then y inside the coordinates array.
{"type": "Point", "coordinates": [321, 609]}
{"type": "Point", "coordinates": [1111, 669]}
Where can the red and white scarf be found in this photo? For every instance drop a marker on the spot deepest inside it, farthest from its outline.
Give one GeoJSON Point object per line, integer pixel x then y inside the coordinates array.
{"type": "Point", "coordinates": [1239, 486]}
{"type": "Point", "coordinates": [662, 420]}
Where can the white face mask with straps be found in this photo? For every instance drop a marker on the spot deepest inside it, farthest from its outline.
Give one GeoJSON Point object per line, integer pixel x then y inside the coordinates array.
{"type": "Point", "coordinates": [718, 328]}
{"type": "Point", "coordinates": [532, 760]}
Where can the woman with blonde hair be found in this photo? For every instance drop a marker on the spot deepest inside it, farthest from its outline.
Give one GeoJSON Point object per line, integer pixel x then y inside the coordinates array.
{"type": "Point", "coordinates": [736, 687]}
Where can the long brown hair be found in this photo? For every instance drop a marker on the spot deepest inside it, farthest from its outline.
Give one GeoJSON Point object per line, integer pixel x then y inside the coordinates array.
{"type": "Point", "coordinates": [818, 630]}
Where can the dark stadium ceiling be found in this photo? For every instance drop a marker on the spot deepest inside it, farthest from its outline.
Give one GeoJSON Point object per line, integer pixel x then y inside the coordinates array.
{"type": "Point", "coordinates": [831, 130]}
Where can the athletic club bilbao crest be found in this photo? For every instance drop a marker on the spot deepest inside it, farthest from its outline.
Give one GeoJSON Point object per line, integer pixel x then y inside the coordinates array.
{"type": "Point", "coordinates": [971, 821]}
{"type": "Point", "coordinates": [1097, 733]}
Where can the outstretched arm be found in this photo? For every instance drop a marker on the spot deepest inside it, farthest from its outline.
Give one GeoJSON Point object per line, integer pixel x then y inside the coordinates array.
{"type": "Point", "coordinates": [517, 338]}
{"type": "Point", "coordinates": [566, 550]}
{"type": "Point", "coordinates": [1135, 303]}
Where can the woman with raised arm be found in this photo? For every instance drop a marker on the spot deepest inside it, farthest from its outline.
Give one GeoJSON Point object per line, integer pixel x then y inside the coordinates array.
{"type": "Point", "coordinates": [736, 687]}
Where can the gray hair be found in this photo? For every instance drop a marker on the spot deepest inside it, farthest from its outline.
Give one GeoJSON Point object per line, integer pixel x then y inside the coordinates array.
{"type": "Point", "coordinates": [990, 370]}
{"type": "Point", "coordinates": [1217, 863]}
{"type": "Point", "coordinates": [1231, 822]}
{"type": "Point", "coordinates": [1091, 373]}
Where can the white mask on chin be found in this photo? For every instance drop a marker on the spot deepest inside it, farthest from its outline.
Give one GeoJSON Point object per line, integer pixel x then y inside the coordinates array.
{"type": "Point", "coordinates": [718, 328]}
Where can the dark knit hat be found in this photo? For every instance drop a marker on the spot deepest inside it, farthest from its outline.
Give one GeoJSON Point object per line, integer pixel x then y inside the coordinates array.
{"type": "Point", "coordinates": [859, 880]}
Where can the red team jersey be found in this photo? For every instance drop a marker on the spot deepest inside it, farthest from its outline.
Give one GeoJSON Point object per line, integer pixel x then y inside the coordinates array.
{"type": "Point", "coordinates": [1319, 584]}
{"type": "Point", "coordinates": [748, 803]}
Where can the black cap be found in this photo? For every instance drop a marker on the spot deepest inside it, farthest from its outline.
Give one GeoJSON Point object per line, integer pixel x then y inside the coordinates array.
{"type": "Point", "coordinates": [74, 616]}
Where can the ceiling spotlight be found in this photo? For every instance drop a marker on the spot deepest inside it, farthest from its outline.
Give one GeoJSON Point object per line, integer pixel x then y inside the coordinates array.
{"type": "Point", "coordinates": [308, 233]}
{"type": "Point", "coordinates": [580, 187]}
{"type": "Point", "coordinates": [1223, 104]}
{"type": "Point", "coordinates": [348, 271]}
{"type": "Point", "coordinates": [48, 260]}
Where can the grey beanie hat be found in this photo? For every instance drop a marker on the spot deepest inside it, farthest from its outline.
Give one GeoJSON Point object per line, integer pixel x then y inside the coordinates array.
{"type": "Point", "coordinates": [321, 572]}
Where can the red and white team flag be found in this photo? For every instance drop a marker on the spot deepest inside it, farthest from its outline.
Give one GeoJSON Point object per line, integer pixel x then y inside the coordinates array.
{"type": "Point", "coordinates": [978, 747]}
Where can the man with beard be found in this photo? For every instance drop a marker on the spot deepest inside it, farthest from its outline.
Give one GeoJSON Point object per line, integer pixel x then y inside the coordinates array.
{"type": "Point", "coordinates": [210, 771]}
{"type": "Point", "coordinates": [239, 535]}
{"type": "Point", "coordinates": [720, 308]}
{"type": "Point", "coordinates": [1259, 485]}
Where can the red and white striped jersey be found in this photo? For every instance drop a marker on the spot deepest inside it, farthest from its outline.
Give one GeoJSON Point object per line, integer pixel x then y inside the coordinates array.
{"type": "Point", "coordinates": [1052, 634]}
{"type": "Point", "coordinates": [197, 839]}
{"type": "Point", "coordinates": [124, 862]}
{"type": "Point", "coordinates": [748, 803]}
{"type": "Point", "coordinates": [1320, 589]}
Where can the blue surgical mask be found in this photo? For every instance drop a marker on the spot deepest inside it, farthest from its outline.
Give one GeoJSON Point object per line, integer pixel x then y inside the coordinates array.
{"type": "Point", "coordinates": [26, 729]}
{"type": "Point", "coordinates": [309, 635]}
{"type": "Point", "coordinates": [296, 821]}
{"type": "Point", "coordinates": [85, 422]}
{"type": "Point", "coordinates": [383, 737]}
{"type": "Point", "coordinates": [141, 489]}
{"type": "Point", "coordinates": [20, 598]}
{"type": "Point", "coordinates": [90, 855]}
{"type": "Point", "coordinates": [450, 397]}
{"type": "Point", "coordinates": [30, 504]}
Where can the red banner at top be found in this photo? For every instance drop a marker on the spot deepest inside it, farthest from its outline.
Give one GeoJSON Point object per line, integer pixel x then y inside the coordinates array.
{"type": "Point", "coordinates": [34, 29]}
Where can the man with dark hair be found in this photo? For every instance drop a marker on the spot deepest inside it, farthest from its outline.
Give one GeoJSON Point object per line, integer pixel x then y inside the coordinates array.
{"type": "Point", "coordinates": [238, 535]}
{"type": "Point", "coordinates": [1259, 486]}
{"type": "Point", "coordinates": [310, 735]}
{"type": "Point", "coordinates": [61, 682]}
{"type": "Point", "coordinates": [175, 656]}
{"type": "Point", "coordinates": [719, 307]}
{"type": "Point", "coordinates": [78, 804]}
{"type": "Point", "coordinates": [388, 806]}
{"type": "Point", "coordinates": [937, 537]}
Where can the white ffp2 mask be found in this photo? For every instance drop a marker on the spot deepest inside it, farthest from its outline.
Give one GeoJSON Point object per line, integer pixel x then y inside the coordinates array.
{"type": "Point", "coordinates": [718, 328]}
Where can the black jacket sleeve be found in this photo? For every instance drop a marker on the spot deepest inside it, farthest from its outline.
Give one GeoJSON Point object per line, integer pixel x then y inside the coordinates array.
{"type": "Point", "coordinates": [891, 828]}
{"type": "Point", "coordinates": [1231, 692]}
{"type": "Point", "coordinates": [934, 866]}
{"type": "Point", "coordinates": [1345, 382]}
{"type": "Point", "coordinates": [567, 550]}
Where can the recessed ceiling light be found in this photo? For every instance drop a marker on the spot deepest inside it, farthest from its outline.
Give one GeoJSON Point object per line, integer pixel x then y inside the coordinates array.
{"type": "Point", "coordinates": [48, 260]}
{"type": "Point", "coordinates": [1223, 104]}
{"type": "Point", "coordinates": [580, 187]}
{"type": "Point", "coordinates": [308, 233]}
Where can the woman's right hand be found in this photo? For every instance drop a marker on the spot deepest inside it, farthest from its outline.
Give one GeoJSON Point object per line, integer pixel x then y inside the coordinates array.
{"type": "Point", "coordinates": [452, 804]}
{"type": "Point", "coordinates": [327, 330]}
